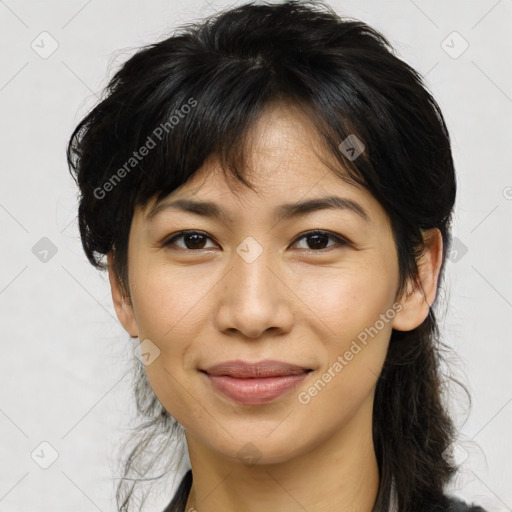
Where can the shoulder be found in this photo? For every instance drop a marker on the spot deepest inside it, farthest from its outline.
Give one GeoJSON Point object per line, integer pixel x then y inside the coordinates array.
{"type": "Point", "coordinates": [447, 504]}
{"type": "Point", "coordinates": [454, 504]}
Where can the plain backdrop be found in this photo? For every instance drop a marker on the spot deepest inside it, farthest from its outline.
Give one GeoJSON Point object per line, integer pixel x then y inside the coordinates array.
{"type": "Point", "coordinates": [64, 354]}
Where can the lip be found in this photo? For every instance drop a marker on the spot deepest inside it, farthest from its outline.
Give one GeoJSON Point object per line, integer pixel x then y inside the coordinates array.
{"type": "Point", "coordinates": [255, 383]}
{"type": "Point", "coordinates": [244, 370]}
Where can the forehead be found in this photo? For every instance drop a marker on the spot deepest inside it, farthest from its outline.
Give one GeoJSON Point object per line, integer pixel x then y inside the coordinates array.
{"type": "Point", "coordinates": [286, 162]}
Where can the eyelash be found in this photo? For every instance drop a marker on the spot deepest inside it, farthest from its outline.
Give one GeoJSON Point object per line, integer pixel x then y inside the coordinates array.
{"type": "Point", "coordinates": [341, 240]}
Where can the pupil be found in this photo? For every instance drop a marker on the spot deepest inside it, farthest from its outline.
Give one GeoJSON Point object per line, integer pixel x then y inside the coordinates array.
{"type": "Point", "coordinates": [196, 240]}
{"type": "Point", "coordinates": [315, 244]}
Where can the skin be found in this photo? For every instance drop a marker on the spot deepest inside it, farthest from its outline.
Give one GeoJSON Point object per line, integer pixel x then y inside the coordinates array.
{"type": "Point", "coordinates": [296, 302]}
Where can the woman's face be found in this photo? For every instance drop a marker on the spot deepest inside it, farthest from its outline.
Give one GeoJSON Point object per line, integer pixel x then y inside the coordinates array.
{"type": "Point", "coordinates": [255, 286]}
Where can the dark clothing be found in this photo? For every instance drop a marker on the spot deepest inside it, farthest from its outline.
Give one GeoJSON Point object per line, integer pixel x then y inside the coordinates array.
{"type": "Point", "coordinates": [179, 502]}
{"type": "Point", "coordinates": [450, 504]}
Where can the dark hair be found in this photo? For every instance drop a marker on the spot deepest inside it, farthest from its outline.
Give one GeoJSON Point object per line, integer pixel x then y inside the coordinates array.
{"type": "Point", "coordinates": [197, 94]}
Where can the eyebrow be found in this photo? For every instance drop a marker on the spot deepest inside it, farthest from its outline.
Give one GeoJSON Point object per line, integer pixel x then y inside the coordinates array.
{"type": "Point", "coordinates": [284, 211]}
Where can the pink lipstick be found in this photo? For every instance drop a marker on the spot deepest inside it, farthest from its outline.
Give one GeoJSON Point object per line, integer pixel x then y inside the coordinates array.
{"type": "Point", "coordinates": [255, 383]}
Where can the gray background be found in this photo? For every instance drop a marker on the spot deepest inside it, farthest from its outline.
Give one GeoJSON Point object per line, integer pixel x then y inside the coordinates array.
{"type": "Point", "coordinates": [65, 356]}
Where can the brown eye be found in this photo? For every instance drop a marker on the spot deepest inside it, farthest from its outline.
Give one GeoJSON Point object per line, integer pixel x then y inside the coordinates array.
{"type": "Point", "coordinates": [192, 240]}
{"type": "Point", "coordinates": [318, 240]}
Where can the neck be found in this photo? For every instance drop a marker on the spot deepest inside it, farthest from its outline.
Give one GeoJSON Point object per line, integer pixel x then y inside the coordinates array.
{"type": "Point", "coordinates": [339, 475]}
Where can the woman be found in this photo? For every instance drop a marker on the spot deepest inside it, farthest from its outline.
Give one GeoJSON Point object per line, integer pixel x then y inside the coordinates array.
{"type": "Point", "coordinates": [273, 191]}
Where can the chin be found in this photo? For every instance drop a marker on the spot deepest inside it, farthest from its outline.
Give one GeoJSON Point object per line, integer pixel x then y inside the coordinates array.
{"type": "Point", "coordinates": [258, 449]}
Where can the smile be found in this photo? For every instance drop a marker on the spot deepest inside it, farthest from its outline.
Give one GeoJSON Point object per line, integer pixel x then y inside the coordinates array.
{"type": "Point", "coordinates": [254, 390]}
{"type": "Point", "coordinates": [255, 383]}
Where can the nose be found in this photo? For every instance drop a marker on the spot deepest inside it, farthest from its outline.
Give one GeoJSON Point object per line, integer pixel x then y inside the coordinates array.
{"type": "Point", "coordinates": [254, 298]}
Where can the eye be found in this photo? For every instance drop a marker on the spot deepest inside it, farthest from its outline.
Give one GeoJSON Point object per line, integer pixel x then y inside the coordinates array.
{"type": "Point", "coordinates": [318, 238]}
{"type": "Point", "coordinates": [195, 240]}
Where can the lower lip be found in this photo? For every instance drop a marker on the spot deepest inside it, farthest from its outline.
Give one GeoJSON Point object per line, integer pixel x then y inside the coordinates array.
{"type": "Point", "coordinates": [254, 391]}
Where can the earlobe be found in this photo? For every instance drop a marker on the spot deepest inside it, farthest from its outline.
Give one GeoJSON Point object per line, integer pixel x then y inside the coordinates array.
{"type": "Point", "coordinates": [122, 303]}
{"type": "Point", "coordinates": [421, 293]}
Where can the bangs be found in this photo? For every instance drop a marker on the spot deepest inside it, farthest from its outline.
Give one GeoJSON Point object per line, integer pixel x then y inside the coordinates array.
{"type": "Point", "coordinates": [211, 114]}
{"type": "Point", "coordinates": [198, 94]}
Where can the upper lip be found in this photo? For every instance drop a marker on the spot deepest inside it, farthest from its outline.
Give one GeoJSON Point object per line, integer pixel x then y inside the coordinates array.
{"type": "Point", "coordinates": [245, 370]}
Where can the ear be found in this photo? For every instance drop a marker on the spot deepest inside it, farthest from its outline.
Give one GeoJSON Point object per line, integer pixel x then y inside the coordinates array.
{"type": "Point", "coordinates": [122, 303]}
{"type": "Point", "coordinates": [417, 300]}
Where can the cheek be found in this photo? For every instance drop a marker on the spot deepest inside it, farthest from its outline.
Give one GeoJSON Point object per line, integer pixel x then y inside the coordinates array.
{"type": "Point", "coordinates": [171, 310]}
{"type": "Point", "coordinates": [353, 307]}
{"type": "Point", "coordinates": [168, 311]}
{"type": "Point", "coordinates": [167, 303]}
{"type": "Point", "coordinates": [346, 301]}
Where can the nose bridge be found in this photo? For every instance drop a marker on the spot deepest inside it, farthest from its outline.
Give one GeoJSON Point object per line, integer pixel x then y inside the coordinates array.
{"type": "Point", "coordinates": [252, 278]}
{"type": "Point", "coordinates": [251, 299]}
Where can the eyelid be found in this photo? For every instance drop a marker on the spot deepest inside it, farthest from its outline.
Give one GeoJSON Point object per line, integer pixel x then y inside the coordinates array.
{"type": "Point", "coordinates": [167, 240]}
{"type": "Point", "coordinates": [340, 239]}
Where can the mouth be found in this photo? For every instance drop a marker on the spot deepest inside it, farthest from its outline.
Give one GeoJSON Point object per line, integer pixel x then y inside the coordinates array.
{"type": "Point", "coordinates": [255, 383]}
